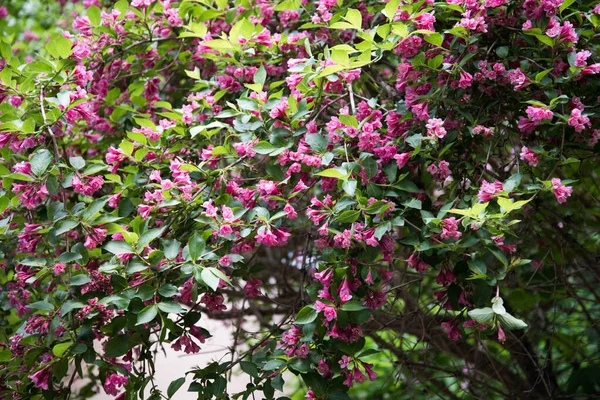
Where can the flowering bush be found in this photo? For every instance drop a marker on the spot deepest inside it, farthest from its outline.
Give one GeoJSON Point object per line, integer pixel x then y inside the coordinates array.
{"type": "Point", "coordinates": [402, 192]}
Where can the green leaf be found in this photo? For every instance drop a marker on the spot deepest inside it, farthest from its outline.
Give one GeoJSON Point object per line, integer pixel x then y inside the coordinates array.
{"type": "Point", "coordinates": [413, 203]}
{"type": "Point", "coordinates": [349, 187]}
{"type": "Point", "coordinates": [348, 120]}
{"type": "Point", "coordinates": [273, 364]}
{"type": "Point", "coordinates": [148, 236]}
{"type": "Point", "coordinates": [260, 76]}
{"type": "Point", "coordinates": [77, 162]}
{"type": "Point", "coordinates": [371, 167]}
{"type": "Point", "coordinates": [5, 355]}
{"type": "Point", "coordinates": [40, 162]}
{"type": "Point", "coordinates": [263, 147]}
{"type": "Point", "coordinates": [196, 246]}
{"type": "Point", "coordinates": [352, 306]}
{"type": "Point", "coordinates": [210, 278]}
{"type": "Point", "coordinates": [306, 315]}
{"type": "Point", "coordinates": [249, 368]}
{"type": "Point", "coordinates": [219, 44]}
{"type": "Point", "coordinates": [175, 386]}
{"type": "Point", "coordinates": [71, 305]}
{"type": "Point", "coordinates": [118, 247]}
{"type": "Point", "coordinates": [93, 13]}
{"type": "Point", "coordinates": [348, 216]}
{"type": "Point", "coordinates": [41, 305]}
{"type": "Point", "coordinates": [513, 182]}
{"type": "Point", "coordinates": [316, 142]}
{"type": "Point", "coordinates": [502, 51]}
{"type": "Point", "coordinates": [565, 5]}
{"type": "Point", "coordinates": [117, 346]}
{"type": "Point", "coordinates": [171, 248]}
{"type": "Point", "coordinates": [288, 5]}
{"type": "Point", "coordinates": [59, 47]}
{"type": "Point", "coordinates": [334, 173]}
{"type": "Point", "coordinates": [170, 307]}
{"type": "Point", "coordinates": [168, 290]}
{"type": "Point", "coordinates": [93, 209]}
{"type": "Point", "coordinates": [354, 17]}
{"type": "Point", "coordinates": [60, 349]}
{"type": "Point", "coordinates": [434, 38]}
{"type": "Point", "coordinates": [80, 279]}
{"type": "Point", "coordinates": [147, 314]}
{"type": "Point", "coordinates": [391, 8]}
{"type": "Point", "coordinates": [65, 226]}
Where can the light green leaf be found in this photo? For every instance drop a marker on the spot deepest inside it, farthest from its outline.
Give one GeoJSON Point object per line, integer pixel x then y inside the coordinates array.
{"type": "Point", "coordinates": [334, 173]}
{"type": "Point", "coordinates": [354, 17]}
{"type": "Point", "coordinates": [59, 349]}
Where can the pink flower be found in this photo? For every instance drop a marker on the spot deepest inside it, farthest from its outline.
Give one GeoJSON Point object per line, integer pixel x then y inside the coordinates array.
{"type": "Point", "coordinates": [482, 129]}
{"type": "Point", "coordinates": [517, 78]}
{"type": "Point", "coordinates": [501, 335]}
{"type": "Point", "coordinates": [425, 21]}
{"type": "Point", "coordinates": [450, 229]}
{"type": "Point", "coordinates": [344, 362]}
{"type": "Point", "coordinates": [579, 121]}
{"type": "Point", "coordinates": [344, 291]}
{"type": "Point", "coordinates": [225, 230]}
{"type": "Point", "coordinates": [466, 80]}
{"type": "Point", "coordinates": [15, 101]}
{"type": "Point", "coordinates": [279, 110]}
{"type": "Point", "coordinates": [581, 58]}
{"type": "Point", "coordinates": [416, 263]}
{"type": "Point", "coordinates": [41, 378]}
{"type": "Point", "coordinates": [302, 351]}
{"type": "Point", "coordinates": [252, 288]}
{"type": "Point", "coordinates": [113, 201]}
{"type": "Point", "coordinates": [369, 370]}
{"type": "Point", "coordinates": [227, 214]}
{"type": "Point", "coordinates": [94, 238]}
{"type": "Point", "coordinates": [529, 156]}
{"type": "Point", "coordinates": [538, 114]}
{"type": "Point", "coordinates": [290, 211]}
{"type": "Point", "coordinates": [494, 3]}
{"type": "Point", "coordinates": [402, 159]}
{"type": "Point", "coordinates": [452, 331]}
{"type": "Point", "coordinates": [343, 240]}
{"type": "Point", "coordinates": [435, 128]}
{"type": "Point", "coordinates": [489, 190]}
{"type": "Point", "coordinates": [328, 311]}
{"type": "Point", "coordinates": [113, 382]}
{"type": "Point", "coordinates": [87, 185]}
{"type": "Point", "coordinates": [324, 368]}
{"type": "Point", "coordinates": [225, 261]}
{"type": "Point", "coordinates": [59, 268]}
{"type": "Point", "coordinates": [561, 192]}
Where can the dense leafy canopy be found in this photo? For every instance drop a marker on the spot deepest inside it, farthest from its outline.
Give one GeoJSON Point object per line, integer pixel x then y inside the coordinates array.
{"type": "Point", "coordinates": [404, 192]}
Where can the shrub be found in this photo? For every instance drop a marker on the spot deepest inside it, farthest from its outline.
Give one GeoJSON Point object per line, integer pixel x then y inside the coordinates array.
{"type": "Point", "coordinates": [402, 192]}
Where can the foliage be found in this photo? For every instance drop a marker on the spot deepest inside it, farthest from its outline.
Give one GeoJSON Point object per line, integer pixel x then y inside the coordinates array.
{"type": "Point", "coordinates": [403, 192]}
